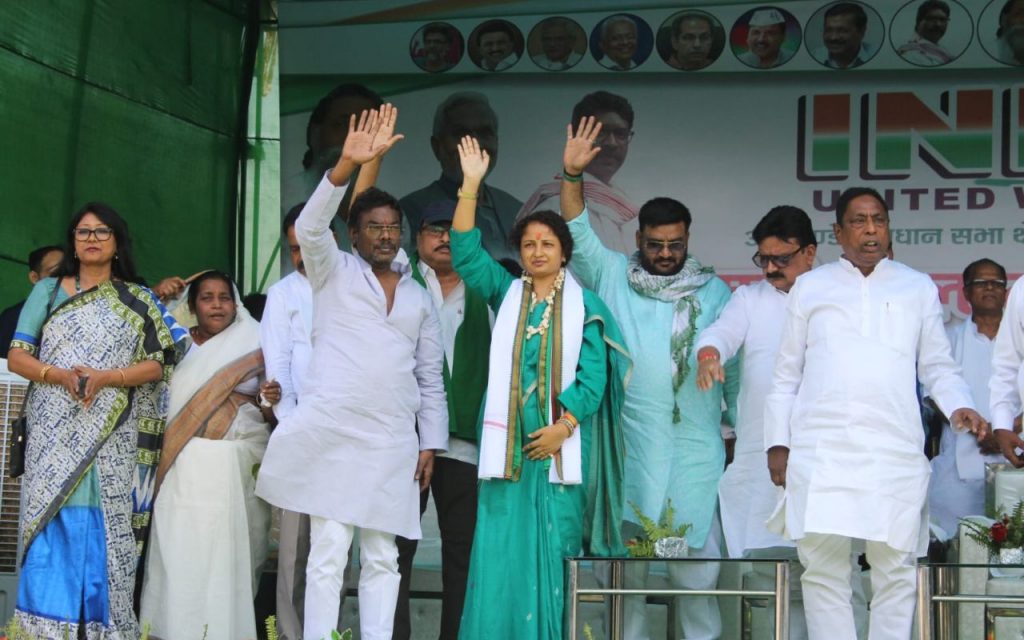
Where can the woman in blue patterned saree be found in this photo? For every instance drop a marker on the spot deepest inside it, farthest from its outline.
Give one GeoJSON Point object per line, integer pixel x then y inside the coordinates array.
{"type": "Point", "coordinates": [98, 348]}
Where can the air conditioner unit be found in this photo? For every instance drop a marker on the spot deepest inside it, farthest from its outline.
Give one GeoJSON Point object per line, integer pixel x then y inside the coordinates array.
{"type": "Point", "coordinates": [12, 395]}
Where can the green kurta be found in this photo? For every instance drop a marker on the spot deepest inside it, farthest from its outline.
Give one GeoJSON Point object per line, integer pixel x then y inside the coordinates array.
{"type": "Point", "coordinates": [526, 528]}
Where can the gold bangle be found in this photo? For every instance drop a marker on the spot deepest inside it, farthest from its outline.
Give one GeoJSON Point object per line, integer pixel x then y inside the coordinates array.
{"type": "Point", "coordinates": [124, 381]}
{"type": "Point", "coordinates": [466, 196]}
{"type": "Point", "coordinates": [42, 374]}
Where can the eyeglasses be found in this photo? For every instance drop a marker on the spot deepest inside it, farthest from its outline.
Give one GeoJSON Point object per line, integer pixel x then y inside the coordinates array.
{"type": "Point", "coordinates": [780, 261]}
{"type": "Point", "coordinates": [674, 246]}
{"type": "Point", "coordinates": [102, 234]}
{"type": "Point", "coordinates": [620, 135]}
{"type": "Point", "coordinates": [859, 222]}
{"type": "Point", "coordinates": [378, 230]}
{"type": "Point", "coordinates": [435, 230]}
{"type": "Point", "coordinates": [987, 284]}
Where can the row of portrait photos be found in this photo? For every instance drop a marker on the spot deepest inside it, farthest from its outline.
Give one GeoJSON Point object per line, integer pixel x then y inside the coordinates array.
{"type": "Point", "coordinates": [839, 35]}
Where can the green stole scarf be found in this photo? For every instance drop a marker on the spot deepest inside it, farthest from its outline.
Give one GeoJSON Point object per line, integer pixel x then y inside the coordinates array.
{"type": "Point", "coordinates": [465, 389]}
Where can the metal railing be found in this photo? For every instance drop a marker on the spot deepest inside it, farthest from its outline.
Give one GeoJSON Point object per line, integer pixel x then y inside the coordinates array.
{"type": "Point", "coordinates": [616, 591]}
{"type": "Point", "coordinates": [936, 607]}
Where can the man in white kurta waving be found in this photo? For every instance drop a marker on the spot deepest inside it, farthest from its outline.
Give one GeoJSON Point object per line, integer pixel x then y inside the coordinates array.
{"type": "Point", "coordinates": [842, 428]}
{"type": "Point", "coordinates": [349, 455]}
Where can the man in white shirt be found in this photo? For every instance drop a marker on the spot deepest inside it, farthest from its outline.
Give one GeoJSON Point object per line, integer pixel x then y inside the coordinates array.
{"type": "Point", "coordinates": [842, 424]}
{"type": "Point", "coordinates": [285, 336]}
{"type": "Point", "coordinates": [752, 321]}
{"type": "Point", "coordinates": [1005, 386]}
{"type": "Point", "coordinates": [496, 43]}
{"type": "Point", "coordinates": [619, 43]}
{"type": "Point", "coordinates": [466, 333]}
{"type": "Point", "coordinates": [558, 38]}
{"type": "Point", "coordinates": [957, 486]}
{"type": "Point", "coordinates": [349, 455]}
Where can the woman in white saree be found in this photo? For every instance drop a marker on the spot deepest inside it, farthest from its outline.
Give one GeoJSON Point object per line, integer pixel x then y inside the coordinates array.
{"type": "Point", "coordinates": [209, 538]}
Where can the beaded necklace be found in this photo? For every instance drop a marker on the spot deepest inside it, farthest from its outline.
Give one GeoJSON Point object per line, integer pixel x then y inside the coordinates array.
{"type": "Point", "coordinates": [545, 319]}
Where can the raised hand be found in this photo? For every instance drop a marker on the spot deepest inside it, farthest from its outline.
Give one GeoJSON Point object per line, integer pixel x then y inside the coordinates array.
{"type": "Point", "coordinates": [362, 144]}
{"type": "Point", "coordinates": [580, 148]}
{"type": "Point", "coordinates": [475, 161]}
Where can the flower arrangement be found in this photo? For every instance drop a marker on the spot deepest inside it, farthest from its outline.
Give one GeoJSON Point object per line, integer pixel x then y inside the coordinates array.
{"type": "Point", "coordinates": [643, 546]}
{"type": "Point", "coordinates": [1007, 532]}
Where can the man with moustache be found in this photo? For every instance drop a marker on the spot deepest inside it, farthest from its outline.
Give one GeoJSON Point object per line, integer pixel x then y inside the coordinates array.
{"type": "Point", "coordinates": [557, 42]}
{"type": "Point", "coordinates": [929, 27]}
{"type": "Point", "coordinates": [613, 216]}
{"type": "Point", "coordinates": [466, 333]}
{"type": "Point", "coordinates": [957, 486]}
{"type": "Point", "coordinates": [662, 298]}
{"type": "Point", "coordinates": [368, 425]}
{"type": "Point", "coordinates": [752, 323]}
{"type": "Point", "coordinates": [466, 113]}
{"type": "Point", "coordinates": [842, 425]}
{"type": "Point", "coordinates": [766, 32]}
{"type": "Point", "coordinates": [692, 37]}
{"type": "Point", "coordinates": [496, 43]}
{"type": "Point", "coordinates": [436, 43]}
{"type": "Point", "coordinates": [846, 24]}
{"type": "Point", "coordinates": [618, 42]}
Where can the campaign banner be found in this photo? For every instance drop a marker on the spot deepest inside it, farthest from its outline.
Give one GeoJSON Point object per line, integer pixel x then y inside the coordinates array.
{"type": "Point", "coordinates": [943, 144]}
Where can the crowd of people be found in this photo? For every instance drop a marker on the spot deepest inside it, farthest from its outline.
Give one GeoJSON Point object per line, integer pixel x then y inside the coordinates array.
{"type": "Point", "coordinates": [550, 392]}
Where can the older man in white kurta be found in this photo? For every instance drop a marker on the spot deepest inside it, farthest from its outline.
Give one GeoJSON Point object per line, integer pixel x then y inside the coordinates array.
{"type": "Point", "coordinates": [842, 426]}
{"type": "Point", "coordinates": [957, 486]}
{"type": "Point", "coordinates": [1006, 387]}
{"type": "Point", "coordinates": [349, 454]}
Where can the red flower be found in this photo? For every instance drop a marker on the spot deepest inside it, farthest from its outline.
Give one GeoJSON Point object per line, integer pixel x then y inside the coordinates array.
{"type": "Point", "coordinates": [999, 532]}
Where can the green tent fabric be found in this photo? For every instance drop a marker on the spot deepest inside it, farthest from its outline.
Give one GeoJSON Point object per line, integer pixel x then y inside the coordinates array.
{"type": "Point", "coordinates": [133, 103]}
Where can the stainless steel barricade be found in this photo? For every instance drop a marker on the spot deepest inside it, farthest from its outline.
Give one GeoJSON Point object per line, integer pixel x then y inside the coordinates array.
{"type": "Point", "coordinates": [937, 592]}
{"type": "Point", "coordinates": [616, 591]}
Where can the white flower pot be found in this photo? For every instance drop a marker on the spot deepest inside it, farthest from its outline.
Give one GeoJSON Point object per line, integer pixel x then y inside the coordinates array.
{"type": "Point", "coordinates": [1009, 556]}
{"type": "Point", "coordinates": [671, 548]}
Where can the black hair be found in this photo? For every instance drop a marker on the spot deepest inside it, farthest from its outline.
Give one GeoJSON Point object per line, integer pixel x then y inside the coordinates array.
{"type": "Point", "coordinates": [254, 303]}
{"type": "Point", "coordinates": [660, 211]}
{"type": "Point", "coordinates": [35, 257]}
{"type": "Point", "coordinates": [549, 219]}
{"type": "Point", "coordinates": [1005, 11]}
{"type": "Point", "coordinates": [929, 5]}
{"type": "Point", "coordinates": [437, 27]}
{"type": "Point", "coordinates": [371, 199]}
{"type": "Point", "coordinates": [293, 215]}
{"type": "Point", "coordinates": [594, 104]}
{"type": "Point", "coordinates": [786, 222]}
{"type": "Point", "coordinates": [972, 268]}
{"type": "Point", "coordinates": [495, 26]}
{"type": "Point", "coordinates": [442, 115]}
{"type": "Point", "coordinates": [319, 113]}
{"type": "Point", "coordinates": [860, 18]}
{"type": "Point", "coordinates": [843, 203]}
{"type": "Point", "coordinates": [692, 15]}
{"type": "Point", "coordinates": [213, 274]}
{"type": "Point", "coordinates": [123, 266]}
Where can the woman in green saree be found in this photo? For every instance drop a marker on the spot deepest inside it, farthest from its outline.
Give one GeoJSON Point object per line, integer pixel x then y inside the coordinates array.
{"type": "Point", "coordinates": [551, 452]}
{"type": "Point", "coordinates": [98, 348]}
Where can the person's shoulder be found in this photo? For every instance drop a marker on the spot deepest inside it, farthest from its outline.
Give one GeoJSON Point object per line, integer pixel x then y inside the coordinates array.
{"type": "Point", "coordinates": [716, 286]}
{"type": "Point", "coordinates": [505, 200]}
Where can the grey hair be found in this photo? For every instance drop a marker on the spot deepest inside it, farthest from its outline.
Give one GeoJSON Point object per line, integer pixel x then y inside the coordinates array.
{"type": "Point", "coordinates": [617, 19]}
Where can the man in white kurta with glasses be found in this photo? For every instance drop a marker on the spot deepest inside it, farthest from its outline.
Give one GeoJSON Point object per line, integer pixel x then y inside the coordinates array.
{"type": "Point", "coordinates": [349, 455]}
{"type": "Point", "coordinates": [842, 425]}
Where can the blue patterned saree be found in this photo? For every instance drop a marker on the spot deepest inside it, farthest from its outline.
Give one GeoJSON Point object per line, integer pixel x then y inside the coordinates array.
{"type": "Point", "coordinates": [89, 472]}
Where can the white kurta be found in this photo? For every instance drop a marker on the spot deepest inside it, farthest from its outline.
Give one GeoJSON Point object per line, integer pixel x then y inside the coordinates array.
{"type": "Point", "coordinates": [957, 486]}
{"type": "Point", "coordinates": [752, 320]}
{"type": "Point", "coordinates": [451, 311]}
{"type": "Point", "coordinates": [285, 338]}
{"type": "Point", "coordinates": [843, 399]}
{"type": "Point", "coordinates": [1007, 382]}
{"type": "Point", "coordinates": [348, 453]}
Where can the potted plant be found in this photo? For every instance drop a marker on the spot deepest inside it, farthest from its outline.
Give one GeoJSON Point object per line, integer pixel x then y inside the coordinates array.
{"type": "Point", "coordinates": [660, 539]}
{"type": "Point", "coordinates": [1004, 538]}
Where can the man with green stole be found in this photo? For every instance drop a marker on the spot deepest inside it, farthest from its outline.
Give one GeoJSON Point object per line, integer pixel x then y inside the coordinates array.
{"type": "Point", "coordinates": [466, 333]}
